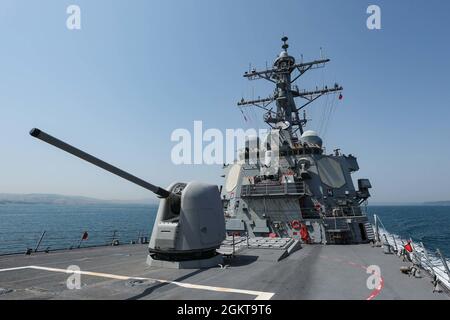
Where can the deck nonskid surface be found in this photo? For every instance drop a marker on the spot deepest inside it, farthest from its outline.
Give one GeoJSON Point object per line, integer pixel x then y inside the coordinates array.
{"type": "Point", "coordinates": [314, 272]}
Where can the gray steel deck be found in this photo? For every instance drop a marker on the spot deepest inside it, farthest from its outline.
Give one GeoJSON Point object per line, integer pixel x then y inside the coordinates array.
{"type": "Point", "coordinates": [314, 272]}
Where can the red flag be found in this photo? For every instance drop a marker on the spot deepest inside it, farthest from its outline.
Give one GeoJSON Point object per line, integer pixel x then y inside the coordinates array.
{"type": "Point", "coordinates": [408, 247]}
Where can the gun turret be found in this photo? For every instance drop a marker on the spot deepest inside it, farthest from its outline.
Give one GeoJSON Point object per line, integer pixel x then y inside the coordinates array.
{"type": "Point", "coordinates": [41, 135]}
{"type": "Point", "coordinates": [189, 225]}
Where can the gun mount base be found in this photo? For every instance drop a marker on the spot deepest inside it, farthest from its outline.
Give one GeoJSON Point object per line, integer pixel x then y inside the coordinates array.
{"type": "Point", "coordinates": [186, 264]}
{"type": "Point", "coordinates": [188, 236]}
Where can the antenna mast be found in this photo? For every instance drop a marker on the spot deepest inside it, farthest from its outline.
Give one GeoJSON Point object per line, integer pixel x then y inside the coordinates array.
{"type": "Point", "coordinates": [283, 74]}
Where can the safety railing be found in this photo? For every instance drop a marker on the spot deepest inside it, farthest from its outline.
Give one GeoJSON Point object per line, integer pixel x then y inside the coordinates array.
{"type": "Point", "coordinates": [318, 213]}
{"type": "Point", "coordinates": [45, 241]}
{"type": "Point", "coordinates": [434, 263]}
{"type": "Point", "coordinates": [254, 190]}
{"type": "Point", "coordinates": [345, 211]}
{"type": "Point", "coordinates": [335, 212]}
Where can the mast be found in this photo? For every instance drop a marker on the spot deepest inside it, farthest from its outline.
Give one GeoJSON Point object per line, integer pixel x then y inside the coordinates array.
{"type": "Point", "coordinates": [283, 74]}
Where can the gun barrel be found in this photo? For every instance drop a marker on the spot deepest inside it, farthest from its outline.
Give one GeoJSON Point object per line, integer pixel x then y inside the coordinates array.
{"type": "Point", "coordinates": [99, 163]}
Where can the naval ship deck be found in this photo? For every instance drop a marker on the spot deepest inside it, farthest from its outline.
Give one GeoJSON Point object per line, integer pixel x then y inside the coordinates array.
{"type": "Point", "coordinates": [313, 272]}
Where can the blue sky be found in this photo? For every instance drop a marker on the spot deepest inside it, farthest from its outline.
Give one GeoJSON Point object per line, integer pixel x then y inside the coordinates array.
{"type": "Point", "coordinates": [137, 70]}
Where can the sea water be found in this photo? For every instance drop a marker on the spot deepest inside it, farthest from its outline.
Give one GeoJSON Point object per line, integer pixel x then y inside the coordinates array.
{"type": "Point", "coordinates": [21, 225]}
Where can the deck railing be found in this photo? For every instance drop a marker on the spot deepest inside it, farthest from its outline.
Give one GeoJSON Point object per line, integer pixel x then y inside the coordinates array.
{"type": "Point", "coordinates": [255, 190]}
{"type": "Point", "coordinates": [48, 240]}
{"type": "Point", "coordinates": [435, 264]}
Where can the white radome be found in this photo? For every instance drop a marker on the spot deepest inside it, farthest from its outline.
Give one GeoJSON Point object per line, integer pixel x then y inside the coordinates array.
{"type": "Point", "coordinates": [309, 133]}
{"type": "Point", "coordinates": [311, 136]}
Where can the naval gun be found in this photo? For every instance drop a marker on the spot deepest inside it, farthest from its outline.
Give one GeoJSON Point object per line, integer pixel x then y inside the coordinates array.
{"type": "Point", "coordinates": [189, 225]}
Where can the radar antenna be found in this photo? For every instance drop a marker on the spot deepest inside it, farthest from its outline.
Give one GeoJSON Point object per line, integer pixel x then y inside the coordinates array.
{"type": "Point", "coordinates": [283, 74]}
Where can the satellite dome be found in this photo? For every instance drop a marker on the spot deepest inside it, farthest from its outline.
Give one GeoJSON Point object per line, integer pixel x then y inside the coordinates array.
{"type": "Point", "coordinates": [284, 58]}
{"type": "Point", "coordinates": [311, 137]}
{"type": "Point", "coordinates": [308, 133]}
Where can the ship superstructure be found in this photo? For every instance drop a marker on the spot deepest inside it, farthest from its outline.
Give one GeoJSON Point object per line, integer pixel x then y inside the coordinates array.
{"type": "Point", "coordinates": [285, 185]}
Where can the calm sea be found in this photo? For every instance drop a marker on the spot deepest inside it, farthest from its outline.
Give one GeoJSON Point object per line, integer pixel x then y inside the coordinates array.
{"type": "Point", "coordinates": [21, 225]}
{"type": "Point", "coordinates": [429, 224]}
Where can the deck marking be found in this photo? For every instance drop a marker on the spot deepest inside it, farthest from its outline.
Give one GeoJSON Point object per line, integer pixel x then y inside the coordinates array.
{"type": "Point", "coordinates": [260, 295]}
{"type": "Point", "coordinates": [376, 291]}
{"type": "Point", "coordinates": [14, 269]}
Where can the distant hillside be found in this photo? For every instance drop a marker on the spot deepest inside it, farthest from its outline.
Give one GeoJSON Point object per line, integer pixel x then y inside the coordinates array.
{"type": "Point", "coordinates": [38, 198]}
{"type": "Point", "coordinates": [437, 203]}
{"type": "Point", "coordinates": [389, 204]}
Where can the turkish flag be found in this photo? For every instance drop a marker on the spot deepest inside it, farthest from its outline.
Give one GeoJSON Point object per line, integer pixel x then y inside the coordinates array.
{"type": "Point", "coordinates": [408, 247]}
